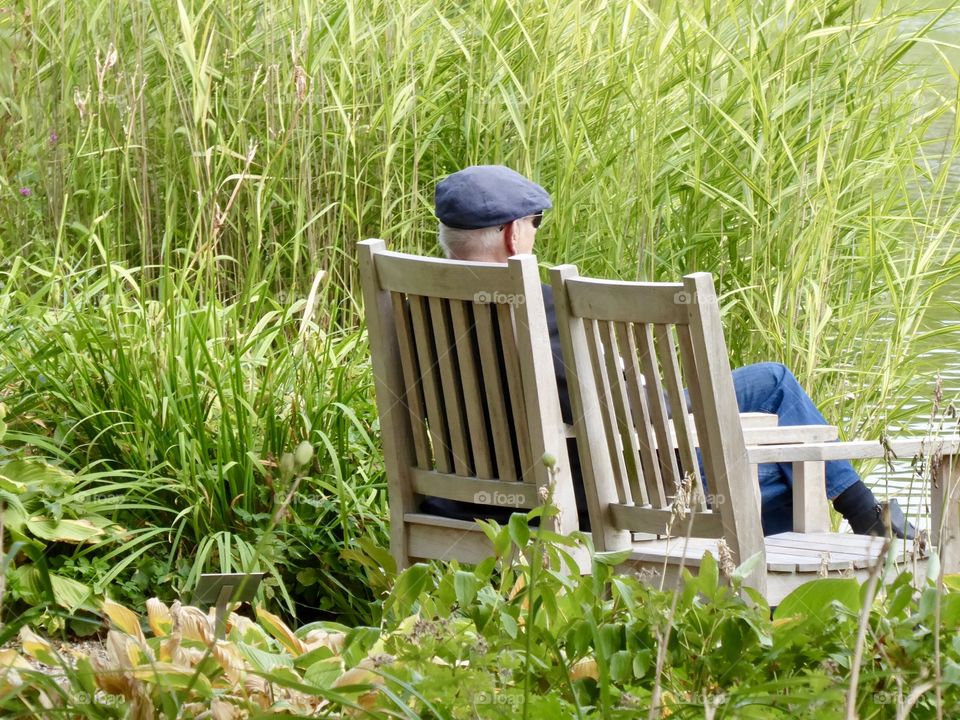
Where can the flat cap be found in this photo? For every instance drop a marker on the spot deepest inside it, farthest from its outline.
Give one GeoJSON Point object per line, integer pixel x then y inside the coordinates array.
{"type": "Point", "coordinates": [486, 195]}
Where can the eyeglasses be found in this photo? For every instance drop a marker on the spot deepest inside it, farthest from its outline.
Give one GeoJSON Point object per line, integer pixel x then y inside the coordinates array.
{"type": "Point", "coordinates": [536, 220]}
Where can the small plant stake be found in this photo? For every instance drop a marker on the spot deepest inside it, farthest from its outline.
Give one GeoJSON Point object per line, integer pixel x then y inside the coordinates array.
{"type": "Point", "coordinates": [220, 589]}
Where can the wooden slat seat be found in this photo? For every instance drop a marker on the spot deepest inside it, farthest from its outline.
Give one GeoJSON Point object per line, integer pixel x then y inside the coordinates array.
{"type": "Point", "coordinates": [670, 334]}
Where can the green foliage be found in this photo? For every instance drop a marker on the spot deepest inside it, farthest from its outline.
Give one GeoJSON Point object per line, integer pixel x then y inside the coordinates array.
{"type": "Point", "coordinates": [532, 638]}
{"type": "Point", "coordinates": [182, 183]}
{"type": "Point", "coordinates": [204, 412]}
{"type": "Point", "coordinates": [51, 520]}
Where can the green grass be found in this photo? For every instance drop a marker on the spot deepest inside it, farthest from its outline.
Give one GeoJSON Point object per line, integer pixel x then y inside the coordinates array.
{"type": "Point", "coordinates": [192, 166]}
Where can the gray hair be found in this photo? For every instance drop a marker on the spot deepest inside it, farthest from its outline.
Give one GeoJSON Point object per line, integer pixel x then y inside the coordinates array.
{"type": "Point", "coordinates": [468, 244]}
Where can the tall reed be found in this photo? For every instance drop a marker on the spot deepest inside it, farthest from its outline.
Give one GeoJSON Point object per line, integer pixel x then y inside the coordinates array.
{"type": "Point", "coordinates": [174, 174]}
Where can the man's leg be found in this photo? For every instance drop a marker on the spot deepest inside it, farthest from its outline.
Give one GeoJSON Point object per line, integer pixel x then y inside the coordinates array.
{"type": "Point", "coordinates": [772, 388]}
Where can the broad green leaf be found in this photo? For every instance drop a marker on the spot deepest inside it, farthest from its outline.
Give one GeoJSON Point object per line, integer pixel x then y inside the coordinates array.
{"type": "Point", "coordinates": [813, 599]}
{"type": "Point", "coordinates": [408, 587]}
{"type": "Point", "coordinates": [14, 516]}
{"type": "Point", "coordinates": [509, 625]}
{"type": "Point", "coordinates": [933, 565]}
{"type": "Point", "coordinates": [284, 635]}
{"type": "Point", "coordinates": [69, 593]}
{"type": "Point", "coordinates": [11, 485]}
{"type": "Point", "coordinates": [35, 472]}
{"type": "Point", "coordinates": [263, 661]}
{"type": "Point", "coordinates": [709, 575]}
{"type": "Point", "coordinates": [952, 582]}
{"type": "Point", "coordinates": [612, 558]}
{"type": "Point", "coordinates": [950, 612]}
{"type": "Point", "coordinates": [519, 530]}
{"type": "Point", "coordinates": [625, 592]}
{"type": "Point", "coordinates": [621, 666]}
{"type": "Point", "coordinates": [65, 530]}
{"type": "Point", "coordinates": [465, 584]}
{"type": "Point", "coordinates": [168, 676]}
{"type": "Point", "coordinates": [324, 672]}
{"type": "Point", "coordinates": [747, 566]}
{"type": "Point", "coordinates": [315, 655]}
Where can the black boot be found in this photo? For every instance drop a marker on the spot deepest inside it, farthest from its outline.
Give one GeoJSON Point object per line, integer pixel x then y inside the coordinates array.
{"type": "Point", "coordinates": [871, 521]}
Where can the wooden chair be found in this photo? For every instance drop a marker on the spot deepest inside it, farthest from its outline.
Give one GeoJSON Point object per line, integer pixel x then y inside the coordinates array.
{"type": "Point", "coordinates": [466, 394]}
{"type": "Point", "coordinates": [630, 350]}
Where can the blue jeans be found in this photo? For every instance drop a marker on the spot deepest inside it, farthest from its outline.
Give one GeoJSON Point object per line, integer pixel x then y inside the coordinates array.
{"type": "Point", "coordinates": [772, 388]}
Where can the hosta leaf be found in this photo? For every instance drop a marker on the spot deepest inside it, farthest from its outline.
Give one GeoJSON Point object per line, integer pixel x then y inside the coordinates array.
{"type": "Point", "coordinates": [173, 677]}
{"type": "Point", "coordinates": [34, 472]}
{"type": "Point", "coordinates": [66, 530]}
{"type": "Point", "coordinates": [159, 617]}
{"type": "Point", "coordinates": [11, 485]}
{"type": "Point", "coordinates": [123, 619]}
{"type": "Point", "coordinates": [284, 635]}
{"type": "Point", "coordinates": [263, 661]}
{"type": "Point", "coordinates": [323, 673]}
{"type": "Point", "coordinates": [38, 648]}
{"type": "Point", "coordinates": [14, 516]}
{"type": "Point", "coordinates": [11, 658]}
{"type": "Point", "coordinates": [69, 593]}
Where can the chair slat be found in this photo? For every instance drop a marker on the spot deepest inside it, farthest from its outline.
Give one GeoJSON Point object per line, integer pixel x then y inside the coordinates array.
{"type": "Point", "coordinates": [639, 407]}
{"type": "Point", "coordinates": [437, 277]}
{"type": "Point", "coordinates": [521, 432]}
{"type": "Point", "coordinates": [493, 493]}
{"type": "Point", "coordinates": [624, 419]}
{"type": "Point", "coordinates": [622, 301]}
{"type": "Point", "coordinates": [427, 356]}
{"type": "Point", "coordinates": [661, 522]}
{"type": "Point", "coordinates": [594, 347]}
{"type": "Point", "coordinates": [671, 373]}
{"type": "Point", "coordinates": [669, 471]}
{"type": "Point", "coordinates": [412, 381]}
{"type": "Point", "coordinates": [493, 386]}
{"type": "Point", "coordinates": [464, 331]}
{"type": "Point", "coordinates": [692, 376]}
{"type": "Point", "coordinates": [451, 387]}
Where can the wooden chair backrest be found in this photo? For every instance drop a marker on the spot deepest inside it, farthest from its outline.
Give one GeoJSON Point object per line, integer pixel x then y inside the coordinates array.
{"type": "Point", "coordinates": [631, 350]}
{"type": "Point", "coordinates": [465, 384]}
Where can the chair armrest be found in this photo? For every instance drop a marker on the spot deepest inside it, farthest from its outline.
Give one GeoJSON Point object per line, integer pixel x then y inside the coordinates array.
{"type": "Point", "coordinates": [758, 420]}
{"type": "Point", "coordinates": [853, 450]}
{"type": "Point", "coordinates": [789, 434]}
{"type": "Point", "coordinates": [810, 513]}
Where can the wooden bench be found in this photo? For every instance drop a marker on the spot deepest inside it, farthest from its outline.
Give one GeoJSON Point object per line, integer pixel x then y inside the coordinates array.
{"type": "Point", "coordinates": [628, 346]}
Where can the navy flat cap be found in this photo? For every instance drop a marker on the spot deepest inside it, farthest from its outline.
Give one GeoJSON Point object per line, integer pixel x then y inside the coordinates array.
{"type": "Point", "coordinates": [487, 195]}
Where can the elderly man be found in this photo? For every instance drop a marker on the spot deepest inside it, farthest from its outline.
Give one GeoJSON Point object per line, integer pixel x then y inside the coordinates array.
{"type": "Point", "coordinates": [489, 212]}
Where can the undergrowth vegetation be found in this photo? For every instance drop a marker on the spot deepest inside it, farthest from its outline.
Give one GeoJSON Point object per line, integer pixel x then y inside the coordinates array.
{"type": "Point", "coordinates": [526, 638]}
{"type": "Point", "coordinates": [182, 184]}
